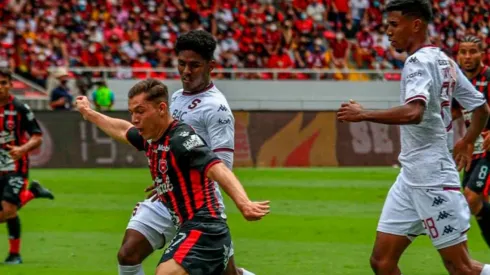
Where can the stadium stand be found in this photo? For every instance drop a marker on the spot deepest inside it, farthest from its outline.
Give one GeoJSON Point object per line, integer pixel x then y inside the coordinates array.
{"type": "Point", "coordinates": [297, 34]}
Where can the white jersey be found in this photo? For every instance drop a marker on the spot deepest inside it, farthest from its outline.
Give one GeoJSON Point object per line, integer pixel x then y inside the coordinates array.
{"type": "Point", "coordinates": [210, 115]}
{"type": "Point", "coordinates": [430, 75]}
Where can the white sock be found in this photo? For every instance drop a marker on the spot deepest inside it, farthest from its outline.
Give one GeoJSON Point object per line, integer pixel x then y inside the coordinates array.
{"type": "Point", "coordinates": [485, 270]}
{"type": "Point", "coordinates": [246, 272]}
{"type": "Point", "coordinates": [131, 270]}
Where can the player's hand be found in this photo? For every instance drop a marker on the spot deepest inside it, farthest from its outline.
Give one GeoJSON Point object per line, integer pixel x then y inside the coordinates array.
{"type": "Point", "coordinates": [351, 112]}
{"type": "Point", "coordinates": [83, 104]}
{"type": "Point", "coordinates": [153, 192]}
{"type": "Point", "coordinates": [16, 152]}
{"type": "Point", "coordinates": [462, 154]}
{"type": "Point", "coordinates": [254, 211]}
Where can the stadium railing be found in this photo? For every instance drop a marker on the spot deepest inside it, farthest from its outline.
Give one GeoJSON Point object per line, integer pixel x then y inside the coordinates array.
{"type": "Point", "coordinates": [243, 73]}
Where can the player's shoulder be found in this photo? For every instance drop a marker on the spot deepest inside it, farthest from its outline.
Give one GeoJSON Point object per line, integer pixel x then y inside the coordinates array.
{"type": "Point", "coordinates": [177, 94]}
{"type": "Point", "coordinates": [21, 106]}
{"type": "Point", "coordinates": [184, 137]}
{"type": "Point", "coordinates": [486, 72]}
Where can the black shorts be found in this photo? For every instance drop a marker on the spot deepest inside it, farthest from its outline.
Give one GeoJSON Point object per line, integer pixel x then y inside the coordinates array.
{"type": "Point", "coordinates": [11, 184]}
{"type": "Point", "coordinates": [201, 248]}
{"type": "Point", "coordinates": [477, 178]}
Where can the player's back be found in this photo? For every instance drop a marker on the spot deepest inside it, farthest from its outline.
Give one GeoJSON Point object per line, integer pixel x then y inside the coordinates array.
{"type": "Point", "coordinates": [429, 75]}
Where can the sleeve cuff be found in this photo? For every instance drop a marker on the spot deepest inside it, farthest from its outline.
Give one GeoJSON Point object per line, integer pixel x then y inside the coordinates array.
{"type": "Point", "coordinates": [209, 165]}
{"type": "Point", "coordinates": [416, 97]}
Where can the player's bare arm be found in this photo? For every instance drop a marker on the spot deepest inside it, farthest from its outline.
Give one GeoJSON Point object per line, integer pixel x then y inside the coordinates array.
{"type": "Point", "coordinates": [252, 211]}
{"type": "Point", "coordinates": [463, 149]}
{"type": "Point", "coordinates": [115, 128]}
{"type": "Point", "coordinates": [456, 113]}
{"type": "Point", "coordinates": [410, 113]}
{"type": "Point", "coordinates": [16, 152]}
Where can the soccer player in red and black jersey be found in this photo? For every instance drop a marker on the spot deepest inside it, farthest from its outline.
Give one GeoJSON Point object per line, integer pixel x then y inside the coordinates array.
{"type": "Point", "coordinates": [16, 121]}
{"type": "Point", "coordinates": [183, 169]}
{"type": "Point", "coordinates": [476, 181]}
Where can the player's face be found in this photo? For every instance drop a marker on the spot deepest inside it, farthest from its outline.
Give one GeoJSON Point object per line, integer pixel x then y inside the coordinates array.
{"type": "Point", "coordinates": [148, 117]}
{"type": "Point", "coordinates": [5, 85]}
{"type": "Point", "coordinates": [194, 71]}
{"type": "Point", "coordinates": [469, 56]}
{"type": "Point", "coordinates": [399, 30]}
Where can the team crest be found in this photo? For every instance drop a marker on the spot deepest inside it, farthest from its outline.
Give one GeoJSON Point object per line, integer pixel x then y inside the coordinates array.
{"type": "Point", "coordinates": [162, 166]}
{"type": "Point", "coordinates": [10, 125]}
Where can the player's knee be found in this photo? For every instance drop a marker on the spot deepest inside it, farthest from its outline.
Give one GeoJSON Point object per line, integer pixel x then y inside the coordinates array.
{"type": "Point", "coordinates": [128, 256]}
{"type": "Point", "coordinates": [382, 265]}
{"type": "Point", "coordinates": [474, 200]}
{"type": "Point", "coordinates": [9, 210]}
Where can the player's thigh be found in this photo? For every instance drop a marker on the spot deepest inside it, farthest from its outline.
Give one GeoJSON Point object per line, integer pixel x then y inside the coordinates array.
{"type": "Point", "coordinates": [467, 175]}
{"type": "Point", "coordinates": [152, 220]}
{"type": "Point", "coordinates": [445, 215]}
{"type": "Point", "coordinates": [399, 216]}
{"type": "Point", "coordinates": [170, 267]}
{"type": "Point", "coordinates": [13, 185]}
{"type": "Point", "coordinates": [388, 249]}
{"type": "Point", "coordinates": [479, 179]}
{"type": "Point", "coordinates": [457, 259]}
{"type": "Point", "coordinates": [200, 248]}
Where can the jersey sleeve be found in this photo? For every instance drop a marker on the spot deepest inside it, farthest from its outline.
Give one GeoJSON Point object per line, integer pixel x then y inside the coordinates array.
{"type": "Point", "coordinates": [418, 81]}
{"type": "Point", "coordinates": [29, 121]}
{"type": "Point", "coordinates": [465, 93]}
{"type": "Point", "coordinates": [220, 125]}
{"type": "Point", "coordinates": [190, 149]}
{"type": "Point", "coordinates": [134, 137]}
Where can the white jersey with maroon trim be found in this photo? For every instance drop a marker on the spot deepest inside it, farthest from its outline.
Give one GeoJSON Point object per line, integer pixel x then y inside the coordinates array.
{"type": "Point", "coordinates": [210, 115]}
{"type": "Point", "coordinates": [430, 75]}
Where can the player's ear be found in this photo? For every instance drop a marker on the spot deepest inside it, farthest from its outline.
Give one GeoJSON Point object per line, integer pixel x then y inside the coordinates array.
{"type": "Point", "coordinates": [417, 25]}
{"type": "Point", "coordinates": [212, 65]}
{"type": "Point", "coordinates": [163, 108]}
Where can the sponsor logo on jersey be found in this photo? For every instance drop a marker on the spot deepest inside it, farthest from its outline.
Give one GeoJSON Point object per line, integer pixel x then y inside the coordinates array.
{"type": "Point", "coordinates": [163, 148]}
{"type": "Point", "coordinates": [222, 108]}
{"type": "Point", "coordinates": [481, 83]}
{"type": "Point", "coordinates": [10, 113]}
{"type": "Point", "coordinates": [224, 121]}
{"type": "Point", "coordinates": [443, 62]}
{"type": "Point", "coordinates": [184, 134]}
{"type": "Point", "coordinates": [412, 75]}
{"type": "Point", "coordinates": [192, 142]}
{"type": "Point", "coordinates": [413, 59]}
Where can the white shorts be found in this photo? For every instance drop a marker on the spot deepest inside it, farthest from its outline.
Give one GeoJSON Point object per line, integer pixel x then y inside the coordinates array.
{"type": "Point", "coordinates": [441, 213]}
{"type": "Point", "coordinates": [153, 220]}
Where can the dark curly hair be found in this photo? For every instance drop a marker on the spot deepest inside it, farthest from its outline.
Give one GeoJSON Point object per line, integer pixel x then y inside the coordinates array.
{"type": "Point", "coordinates": [198, 41]}
{"type": "Point", "coordinates": [473, 39]}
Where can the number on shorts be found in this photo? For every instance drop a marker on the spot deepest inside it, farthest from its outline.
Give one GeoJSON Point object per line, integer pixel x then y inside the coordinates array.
{"type": "Point", "coordinates": [136, 209]}
{"type": "Point", "coordinates": [483, 172]}
{"type": "Point", "coordinates": [430, 225]}
{"type": "Point", "coordinates": [177, 240]}
{"type": "Point", "coordinates": [16, 183]}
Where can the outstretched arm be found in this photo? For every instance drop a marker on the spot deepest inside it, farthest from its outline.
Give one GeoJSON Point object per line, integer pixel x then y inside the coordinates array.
{"type": "Point", "coordinates": [410, 113]}
{"type": "Point", "coordinates": [227, 180]}
{"type": "Point", "coordinates": [115, 128]}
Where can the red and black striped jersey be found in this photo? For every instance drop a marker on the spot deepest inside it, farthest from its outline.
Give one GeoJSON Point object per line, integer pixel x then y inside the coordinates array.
{"type": "Point", "coordinates": [17, 123]}
{"type": "Point", "coordinates": [179, 162]}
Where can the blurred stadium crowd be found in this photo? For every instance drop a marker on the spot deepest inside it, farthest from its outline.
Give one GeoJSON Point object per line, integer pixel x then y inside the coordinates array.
{"type": "Point", "coordinates": [302, 34]}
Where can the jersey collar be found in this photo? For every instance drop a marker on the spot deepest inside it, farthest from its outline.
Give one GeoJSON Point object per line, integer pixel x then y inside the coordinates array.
{"type": "Point", "coordinates": [209, 87]}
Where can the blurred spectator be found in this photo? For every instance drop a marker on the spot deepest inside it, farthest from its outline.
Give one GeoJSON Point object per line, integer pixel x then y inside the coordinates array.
{"type": "Point", "coordinates": [103, 97]}
{"type": "Point", "coordinates": [125, 35]}
{"type": "Point", "coordinates": [61, 99]}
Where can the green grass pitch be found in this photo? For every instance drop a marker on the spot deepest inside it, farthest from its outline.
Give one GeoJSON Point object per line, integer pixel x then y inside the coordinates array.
{"type": "Point", "coordinates": [323, 221]}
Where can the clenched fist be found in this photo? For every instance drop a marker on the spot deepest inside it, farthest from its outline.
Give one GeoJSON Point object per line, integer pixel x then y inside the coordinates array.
{"type": "Point", "coordinates": [83, 104]}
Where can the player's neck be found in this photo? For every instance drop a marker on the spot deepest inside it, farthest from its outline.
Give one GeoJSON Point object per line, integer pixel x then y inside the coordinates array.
{"type": "Point", "coordinates": [470, 75]}
{"type": "Point", "coordinates": [202, 87]}
{"type": "Point", "coordinates": [4, 101]}
{"type": "Point", "coordinates": [417, 45]}
{"type": "Point", "coordinates": [164, 128]}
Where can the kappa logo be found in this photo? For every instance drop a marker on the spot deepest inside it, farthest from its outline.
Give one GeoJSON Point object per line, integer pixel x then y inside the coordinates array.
{"type": "Point", "coordinates": [413, 59]}
{"type": "Point", "coordinates": [222, 108]}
